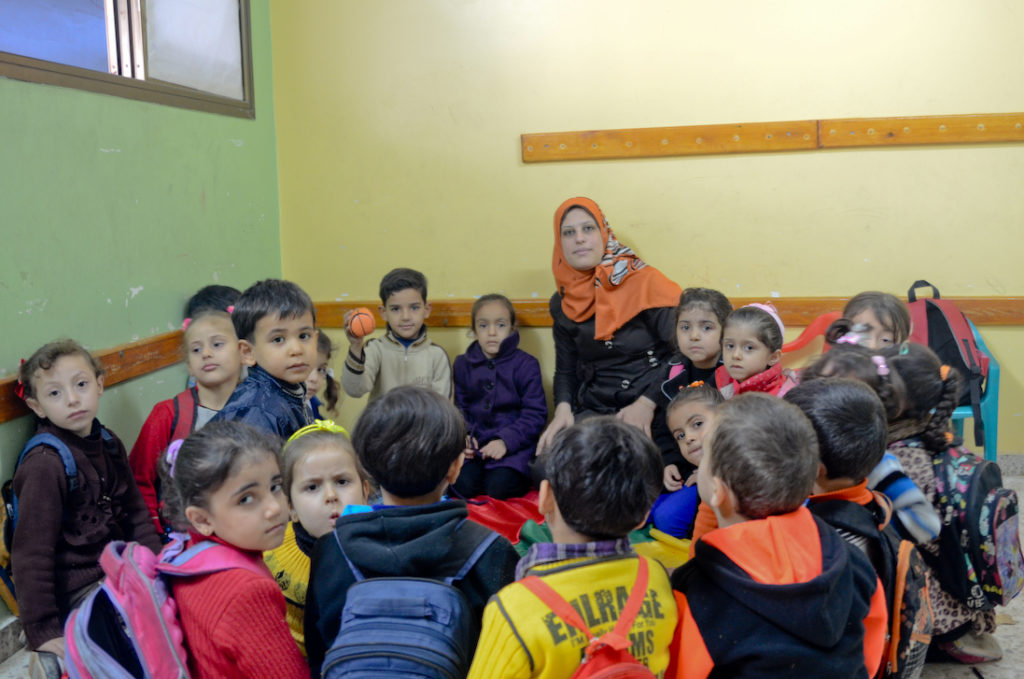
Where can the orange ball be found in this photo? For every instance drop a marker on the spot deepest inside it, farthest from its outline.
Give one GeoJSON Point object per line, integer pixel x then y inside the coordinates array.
{"type": "Point", "coordinates": [361, 322]}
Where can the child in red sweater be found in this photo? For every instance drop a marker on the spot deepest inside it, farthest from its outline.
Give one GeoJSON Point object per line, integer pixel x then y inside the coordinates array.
{"type": "Point", "coordinates": [223, 484]}
{"type": "Point", "coordinates": [214, 361]}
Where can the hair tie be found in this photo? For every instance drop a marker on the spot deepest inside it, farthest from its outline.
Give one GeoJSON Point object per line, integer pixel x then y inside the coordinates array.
{"type": "Point", "coordinates": [185, 323]}
{"type": "Point", "coordinates": [771, 311]}
{"type": "Point", "coordinates": [318, 425]}
{"type": "Point", "coordinates": [330, 373]}
{"type": "Point", "coordinates": [231, 308]}
{"type": "Point", "coordinates": [905, 348]}
{"type": "Point", "coordinates": [19, 388]}
{"type": "Point", "coordinates": [883, 367]}
{"type": "Point", "coordinates": [944, 372]}
{"type": "Point", "coordinates": [172, 455]}
{"type": "Point", "coordinates": [698, 383]}
{"type": "Point", "coordinates": [849, 338]}
{"type": "Point", "coordinates": [949, 437]}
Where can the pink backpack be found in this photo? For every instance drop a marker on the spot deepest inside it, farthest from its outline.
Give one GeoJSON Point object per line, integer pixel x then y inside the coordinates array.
{"type": "Point", "coordinates": [129, 627]}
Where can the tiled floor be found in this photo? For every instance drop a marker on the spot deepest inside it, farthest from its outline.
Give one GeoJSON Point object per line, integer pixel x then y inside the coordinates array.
{"type": "Point", "coordinates": [1010, 635]}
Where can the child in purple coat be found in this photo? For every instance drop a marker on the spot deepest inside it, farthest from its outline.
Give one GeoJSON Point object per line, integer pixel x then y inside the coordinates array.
{"type": "Point", "coordinates": [498, 390]}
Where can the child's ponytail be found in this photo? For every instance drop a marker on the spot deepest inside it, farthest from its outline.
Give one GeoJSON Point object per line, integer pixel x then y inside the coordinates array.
{"type": "Point", "coordinates": [937, 436]}
{"type": "Point", "coordinates": [194, 468]}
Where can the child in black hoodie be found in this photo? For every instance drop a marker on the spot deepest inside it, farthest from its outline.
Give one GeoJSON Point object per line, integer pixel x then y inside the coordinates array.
{"type": "Point", "coordinates": [774, 591]}
{"type": "Point", "coordinates": [410, 440]}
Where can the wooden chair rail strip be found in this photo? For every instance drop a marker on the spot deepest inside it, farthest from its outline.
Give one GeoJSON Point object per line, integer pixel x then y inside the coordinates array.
{"type": "Point", "coordinates": [795, 311]}
{"type": "Point", "coordinates": [150, 354]}
{"type": "Point", "coordinates": [792, 135]}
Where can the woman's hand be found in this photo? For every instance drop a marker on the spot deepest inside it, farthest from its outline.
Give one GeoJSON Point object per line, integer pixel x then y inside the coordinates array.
{"type": "Point", "coordinates": [639, 413]}
{"type": "Point", "coordinates": [563, 418]}
{"type": "Point", "coordinates": [471, 448]}
{"type": "Point", "coordinates": [671, 478]}
{"type": "Point", "coordinates": [494, 450]}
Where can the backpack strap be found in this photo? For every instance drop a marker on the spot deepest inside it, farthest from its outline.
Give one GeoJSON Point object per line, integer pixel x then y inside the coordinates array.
{"type": "Point", "coordinates": [618, 638]}
{"type": "Point", "coordinates": [66, 458]}
{"type": "Point", "coordinates": [204, 558]}
{"type": "Point", "coordinates": [186, 405]}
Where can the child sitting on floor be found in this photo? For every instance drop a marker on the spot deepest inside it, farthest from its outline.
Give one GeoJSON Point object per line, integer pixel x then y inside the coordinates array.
{"type": "Point", "coordinates": [275, 322]}
{"type": "Point", "coordinates": [404, 355]}
{"type": "Point", "coordinates": [601, 476]}
{"type": "Point", "coordinates": [62, 529]}
{"type": "Point", "coordinates": [773, 591]}
{"type": "Point", "coordinates": [498, 389]}
{"type": "Point", "coordinates": [322, 478]}
{"type": "Point", "coordinates": [322, 377]}
{"type": "Point", "coordinates": [410, 441]}
{"type": "Point", "coordinates": [751, 353]}
{"type": "Point", "coordinates": [213, 360]}
{"type": "Point", "coordinates": [691, 417]}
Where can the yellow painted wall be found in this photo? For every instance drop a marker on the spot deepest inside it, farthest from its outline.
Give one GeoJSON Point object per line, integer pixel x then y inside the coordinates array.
{"type": "Point", "coordinates": [398, 126]}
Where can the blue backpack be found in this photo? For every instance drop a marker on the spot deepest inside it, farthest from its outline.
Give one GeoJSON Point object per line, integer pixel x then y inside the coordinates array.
{"type": "Point", "coordinates": [406, 627]}
{"type": "Point", "coordinates": [11, 500]}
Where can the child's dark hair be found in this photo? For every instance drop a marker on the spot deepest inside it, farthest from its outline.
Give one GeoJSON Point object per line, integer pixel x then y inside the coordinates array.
{"type": "Point", "coordinates": [891, 312]}
{"type": "Point", "coordinates": [205, 461]}
{"type": "Point", "coordinates": [45, 356]}
{"type": "Point", "coordinates": [212, 298]}
{"type": "Point", "coordinates": [769, 333]}
{"type": "Point", "coordinates": [605, 475]}
{"type": "Point", "coordinates": [296, 448]}
{"type": "Point", "coordinates": [332, 390]}
{"type": "Point", "coordinates": [493, 297]}
{"type": "Point", "coordinates": [849, 421]}
{"type": "Point", "coordinates": [408, 438]}
{"type": "Point", "coordinates": [700, 392]}
{"type": "Point", "coordinates": [283, 299]}
{"type": "Point", "coordinates": [909, 379]}
{"type": "Point", "coordinates": [856, 362]}
{"type": "Point", "coordinates": [400, 279]}
{"type": "Point", "coordinates": [766, 452]}
{"type": "Point", "coordinates": [932, 391]}
{"type": "Point", "coordinates": [706, 298]}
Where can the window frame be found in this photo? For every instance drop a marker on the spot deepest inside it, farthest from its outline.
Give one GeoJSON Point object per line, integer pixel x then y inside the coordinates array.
{"type": "Point", "coordinates": [27, 69]}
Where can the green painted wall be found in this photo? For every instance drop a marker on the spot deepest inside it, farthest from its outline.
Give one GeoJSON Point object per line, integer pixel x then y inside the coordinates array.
{"type": "Point", "coordinates": [113, 211]}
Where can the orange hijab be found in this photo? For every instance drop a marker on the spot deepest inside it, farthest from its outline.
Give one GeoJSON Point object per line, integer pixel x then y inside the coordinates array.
{"type": "Point", "coordinates": [617, 289]}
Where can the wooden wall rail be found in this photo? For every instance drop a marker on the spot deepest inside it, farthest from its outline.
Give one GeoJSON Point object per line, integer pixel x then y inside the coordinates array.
{"type": "Point", "coordinates": [793, 135]}
{"type": "Point", "coordinates": [160, 351]}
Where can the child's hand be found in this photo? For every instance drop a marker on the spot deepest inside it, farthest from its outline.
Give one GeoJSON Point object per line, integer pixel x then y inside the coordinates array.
{"type": "Point", "coordinates": [55, 646]}
{"type": "Point", "coordinates": [495, 450]}
{"type": "Point", "coordinates": [471, 448]}
{"type": "Point", "coordinates": [356, 342]}
{"type": "Point", "coordinates": [671, 478]}
{"type": "Point", "coordinates": [639, 413]}
{"type": "Point", "coordinates": [692, 479]}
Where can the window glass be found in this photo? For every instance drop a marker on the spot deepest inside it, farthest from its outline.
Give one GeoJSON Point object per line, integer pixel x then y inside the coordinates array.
{"type": "Point", "coordinates": [195, 43]}
{"type": "Point", "coordinates": [71, 32]}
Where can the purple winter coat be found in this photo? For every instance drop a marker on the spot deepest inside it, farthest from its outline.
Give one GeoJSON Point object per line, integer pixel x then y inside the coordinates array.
{"type": "Point", "coordinates": [502, 398]}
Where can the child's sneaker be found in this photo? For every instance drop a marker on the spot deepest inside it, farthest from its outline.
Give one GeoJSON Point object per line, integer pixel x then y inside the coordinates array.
{"type": "Point", "coordinates": [43, 665]}
{"type": "Point", "coordinates": [973, 648]}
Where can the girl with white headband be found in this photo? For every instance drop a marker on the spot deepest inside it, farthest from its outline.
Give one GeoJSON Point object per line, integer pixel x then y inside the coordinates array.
{"type": "Point", "coordinates": [752, 353]}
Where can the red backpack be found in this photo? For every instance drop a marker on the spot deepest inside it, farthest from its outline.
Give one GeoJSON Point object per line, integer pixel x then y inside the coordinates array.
{"type": "Point", "coordinates": [939, 325]}
{"type": "Point", "coordinates": [606, 656]}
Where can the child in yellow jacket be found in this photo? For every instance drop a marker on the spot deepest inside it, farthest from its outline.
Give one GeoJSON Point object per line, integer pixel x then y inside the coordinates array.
{"type": "Point", "coordinates": [601, 478]}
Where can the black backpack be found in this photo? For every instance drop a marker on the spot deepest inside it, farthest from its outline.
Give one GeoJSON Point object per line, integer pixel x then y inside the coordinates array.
{"type": "Point", "coordinates": [942, 327]}
{"type": "Point", "coordinates": [904, 578]}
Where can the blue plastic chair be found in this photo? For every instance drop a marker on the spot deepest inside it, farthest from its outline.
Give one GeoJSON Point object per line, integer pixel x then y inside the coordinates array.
{"type": "Point", "coordinates": [989, 403]}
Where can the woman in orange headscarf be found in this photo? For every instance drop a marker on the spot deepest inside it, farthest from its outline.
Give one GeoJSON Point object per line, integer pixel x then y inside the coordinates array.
{"type": "Point", "coordinates": [614, 324]}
